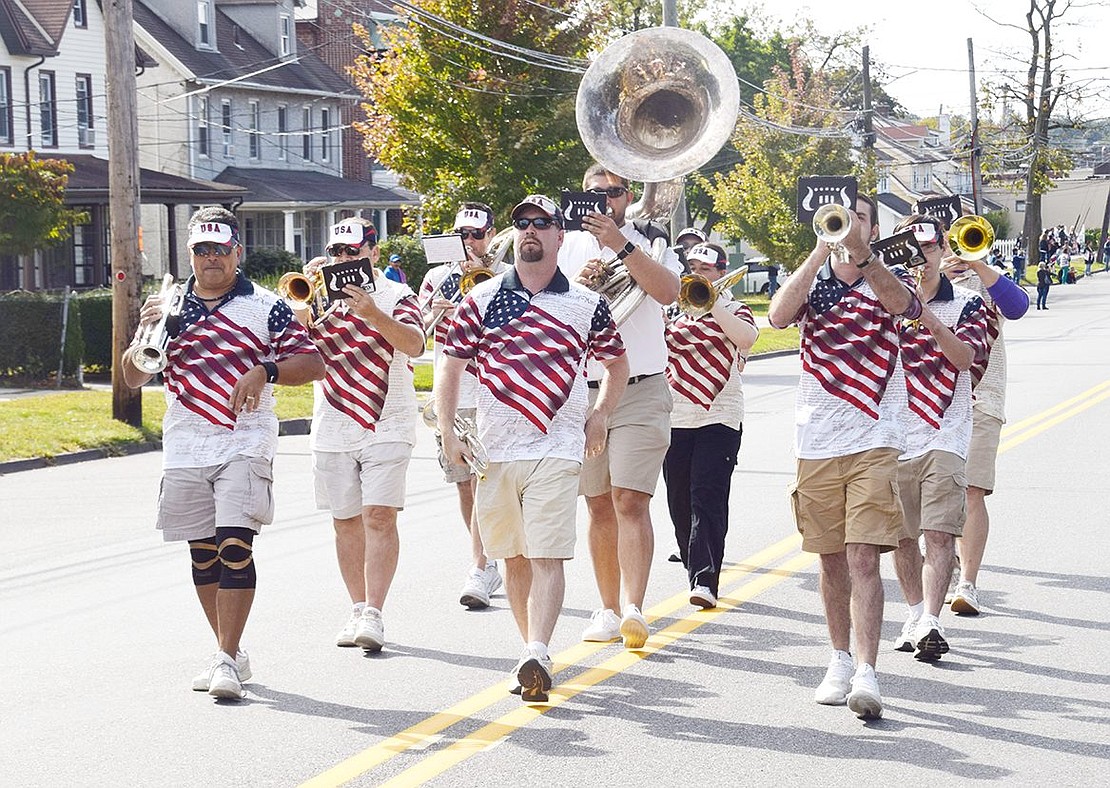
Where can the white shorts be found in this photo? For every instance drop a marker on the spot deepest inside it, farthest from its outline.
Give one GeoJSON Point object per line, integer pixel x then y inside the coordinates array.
{"type": "Point", "coordinates": [348, 481]}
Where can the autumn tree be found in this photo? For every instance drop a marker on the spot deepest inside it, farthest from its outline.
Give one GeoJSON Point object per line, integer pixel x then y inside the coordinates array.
{"type": "Point", "coordinates": [792, 133]}
{"type": "Point", "coordinates": [33, 213]}
{"type": "Point", "coordinates": [475, 100]}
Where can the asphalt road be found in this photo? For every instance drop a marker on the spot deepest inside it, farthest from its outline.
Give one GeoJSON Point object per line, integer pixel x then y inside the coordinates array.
{"type": "Point", "coordinates": [100, 633]}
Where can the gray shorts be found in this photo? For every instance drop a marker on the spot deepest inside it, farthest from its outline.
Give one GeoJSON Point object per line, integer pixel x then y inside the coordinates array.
{"type": "Point", "coordinates": [983, 453]}
{"type": "Point", "coordinates": [193, 502]}
{"type": "Point", "coordinates": [347, 481]}
{"type": "Point", "coordinates": [639, 436]}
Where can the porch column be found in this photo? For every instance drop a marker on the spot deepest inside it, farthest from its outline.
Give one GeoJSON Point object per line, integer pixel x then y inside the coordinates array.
{"type": "Point", "coordinates": [290, 246]}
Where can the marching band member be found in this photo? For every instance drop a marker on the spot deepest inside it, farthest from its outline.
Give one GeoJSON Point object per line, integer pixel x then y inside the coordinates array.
{"type": "Point", "coordinates": [439, 295]}
{"type": "Point", "coordinates": [219, 433]}
{"type": "Point", "coordinates": [938, 351]}
{"type": "Point", "coordinates": [619, 481]}
{"type": "Point", "coordinates": [364, 427]}
{"type": "Point", "coordinates": [706, 355]}
{"type": "Point", "coordinates": [528, 333]}
{"type": "Point", "coordinates": [847, 440]}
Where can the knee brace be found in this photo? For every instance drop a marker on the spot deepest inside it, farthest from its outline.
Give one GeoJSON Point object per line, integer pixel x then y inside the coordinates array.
{"type": "Point", "coordinates": [206, 562]}
{"type": "Point", "coordinates": [236, 557]}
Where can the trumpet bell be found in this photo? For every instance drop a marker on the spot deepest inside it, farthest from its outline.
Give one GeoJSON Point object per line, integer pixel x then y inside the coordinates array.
{"type": "Point", "coordinates": [475, 276]}
{"type": "Point", "coordinates": [657, 103]}
{"type": "Point", "coordinates": [832, 222]}
{"type": "Point", "coordinates": [971, 237]}
{"type": "Point", "coordinates": [697, 295]}
{"type": "Point", "coordinates": [295, 286]}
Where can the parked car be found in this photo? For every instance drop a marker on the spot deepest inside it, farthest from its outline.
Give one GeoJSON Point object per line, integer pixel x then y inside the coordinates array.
{"type": "Point", "coordinates": [757, 280]}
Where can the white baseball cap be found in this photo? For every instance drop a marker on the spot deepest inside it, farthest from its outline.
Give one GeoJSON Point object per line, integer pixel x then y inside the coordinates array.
{"type": "Point", "coordinates": [473, 218]}
{"type": "Point", "coordinates": [217, 232]}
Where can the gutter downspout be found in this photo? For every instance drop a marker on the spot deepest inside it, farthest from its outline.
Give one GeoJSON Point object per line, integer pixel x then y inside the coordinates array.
{"type": "Point", "coordinates": [27, 95]}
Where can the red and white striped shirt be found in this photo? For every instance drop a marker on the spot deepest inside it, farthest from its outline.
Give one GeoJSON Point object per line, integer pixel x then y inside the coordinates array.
{"type": "Point", "coordinates": [443, 282]}
{"type": "Point", "coordinates": [530, 351]}
{"type": "Point", "coordinates": [367, 393]}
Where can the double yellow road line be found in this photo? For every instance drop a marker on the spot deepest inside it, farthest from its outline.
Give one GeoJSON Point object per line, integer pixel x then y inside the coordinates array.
{"type": "Point", "coordinates": [744, 585]}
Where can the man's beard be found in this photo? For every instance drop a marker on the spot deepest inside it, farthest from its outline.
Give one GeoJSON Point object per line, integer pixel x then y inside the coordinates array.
{"type": "Point", "coordinates": [533, 253]}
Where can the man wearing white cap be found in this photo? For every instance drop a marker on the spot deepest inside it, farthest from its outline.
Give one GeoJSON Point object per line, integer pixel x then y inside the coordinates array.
{"type": "Point", "coordinates": [620, 481]}
{"type": "Point", "coordinates": [528, 332]}
{"type": "Point", "coordinates": [231, 343]}
{"type": "Point", "coordinates": [439, 295]}
{"type": "Point", "coordinates": [364, 427]}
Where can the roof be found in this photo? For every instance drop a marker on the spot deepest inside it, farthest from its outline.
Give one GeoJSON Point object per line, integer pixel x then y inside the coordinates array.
{"type": "Point", "coordinates": [307, 72]}
{"type": "Point", "coordinates": [33, 27]}
{"type": "Point", "coordinates": [300, 187]}
{"type": "Point", "coordinates": [88, 184]}
{"type": "Point", "coordinates": [894, 203]}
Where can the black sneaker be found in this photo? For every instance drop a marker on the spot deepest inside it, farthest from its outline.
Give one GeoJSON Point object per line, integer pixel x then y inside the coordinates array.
{"type": "Point", "coordinates": [534, 677]}
{"type": "Point", "coordinates": [931, 644]}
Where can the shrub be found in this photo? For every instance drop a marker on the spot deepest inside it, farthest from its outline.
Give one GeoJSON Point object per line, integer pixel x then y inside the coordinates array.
{"type": "Point", "coordinates": [269, 262]}
{"type": "Point", "coordinates": [30, 336]}
{"type": "Point", "coordinates": [413, 261]}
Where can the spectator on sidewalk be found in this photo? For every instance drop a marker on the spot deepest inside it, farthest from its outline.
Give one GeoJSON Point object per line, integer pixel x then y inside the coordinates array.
{"type": "Point", "coordinates": [1044, 282]}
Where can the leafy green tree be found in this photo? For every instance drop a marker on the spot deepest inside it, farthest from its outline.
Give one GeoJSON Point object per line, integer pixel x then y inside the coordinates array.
{"type": "Point", "coordinates": [792, 135]}
{"type": "Point", "coordinates": [33, 213]}
{"type": "Point", "coordinates": [461, 117]}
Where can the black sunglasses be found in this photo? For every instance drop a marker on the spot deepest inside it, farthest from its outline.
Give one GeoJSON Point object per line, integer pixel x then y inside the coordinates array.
{"type": "Point", "coordinates": [610, 191]}
{"type": "Point", "coordinates": [335, 250]}
{"type": "Point", "coordinates": [539, 222]}
{"type": "Point", "coordinates": [477, 235]}
{"type": "Point", "coordinates": [206, 249]}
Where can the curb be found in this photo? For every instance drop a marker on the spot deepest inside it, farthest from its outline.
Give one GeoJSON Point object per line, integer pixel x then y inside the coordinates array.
{"type": "Point", "coordinates": [286, 427]}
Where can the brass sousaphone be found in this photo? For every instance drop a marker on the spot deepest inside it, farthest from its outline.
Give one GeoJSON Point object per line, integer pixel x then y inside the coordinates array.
{"type": "Point", "coordinates": [653, 107]}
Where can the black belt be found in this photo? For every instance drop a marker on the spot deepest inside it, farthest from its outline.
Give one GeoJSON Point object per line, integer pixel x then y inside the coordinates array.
{"type": "Point", "coordinates": [594, 384]}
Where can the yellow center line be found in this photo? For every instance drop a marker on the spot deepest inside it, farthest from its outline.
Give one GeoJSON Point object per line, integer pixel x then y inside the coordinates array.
{"type": "Point", "coordinates": [1040, 418]}
{"type": "Point", "coordinates": [428, 730]}
{"type": "Point", "coordinates": [1092, 399]}
{"type": "Point", "coordinates": [494, 732]}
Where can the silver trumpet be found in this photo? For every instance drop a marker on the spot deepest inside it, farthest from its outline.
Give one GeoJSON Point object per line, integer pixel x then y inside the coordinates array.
{"type": "Point", "coordinates": [467, 432]}
{"type": "Point", "coordinates": [149, 354]}
{"type": "Point", "coordinates": [832, 223]}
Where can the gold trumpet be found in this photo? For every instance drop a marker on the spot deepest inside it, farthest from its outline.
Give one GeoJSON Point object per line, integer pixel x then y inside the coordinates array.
{"type": "Point", "coordinates": [971, 237]}
{"type": "Point", "coordinates": [475, 276]}
{"type": "Point", "coordinates": [697, 294]}
{"type": "Point", "coordinates": [149, 353]}
{"type": "Point", "coordinates": [304, 289]}
{"type": "Point", "coordinates": [467, 432]}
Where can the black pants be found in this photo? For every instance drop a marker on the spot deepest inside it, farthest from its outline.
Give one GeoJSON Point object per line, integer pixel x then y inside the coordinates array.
{"type": "Point", "coordinates": [698, 473]}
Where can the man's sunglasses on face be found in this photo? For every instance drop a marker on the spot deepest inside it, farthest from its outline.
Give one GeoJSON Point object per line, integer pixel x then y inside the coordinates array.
{"type": "Point", "coordinates": [207, 249]}
{"type": "Point", "coordinates": [610, 191]}
{"type": "Point", "coordinates": [477, 235]}
{"type": "Point", "coordinates": [335, 250]}
{"type": "Point", "coordinates": [539, 222]}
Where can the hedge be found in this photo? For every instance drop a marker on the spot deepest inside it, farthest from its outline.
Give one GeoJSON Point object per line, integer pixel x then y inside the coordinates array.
{"type": "Point", "coordinates": [30, 335]}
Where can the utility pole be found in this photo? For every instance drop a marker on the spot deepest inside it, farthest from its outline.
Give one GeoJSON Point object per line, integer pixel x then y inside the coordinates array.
{"type": "Point", "coordinates": [868, 115]}
{"type": "Point", "coordinates": [976, 175]}
{"type": "Point", "coordinates": [123, 199]}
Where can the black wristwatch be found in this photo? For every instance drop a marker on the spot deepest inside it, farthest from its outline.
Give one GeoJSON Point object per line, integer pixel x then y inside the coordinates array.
{"type": "Point", "coordinates": [271, 371]}
{"type": "Point", "coordinates": [626, 250]}
{"type": "Point", "coordinates": [870, 259]}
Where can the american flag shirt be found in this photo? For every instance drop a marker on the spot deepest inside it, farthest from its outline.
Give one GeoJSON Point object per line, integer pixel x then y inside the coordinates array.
{"type": "Point", "coordinates": [703, 371]}
{"type": "Point", "coordinates": [530, 351]}
{"type": "Point", "coordinates": [938, 413]}
{"type": "Point", "coordinates": [850, 392]}
{"type": "Point", "coordinates": [448, 276]}
{"type": "Point", "coordinates": [988, 379]}
{"type": "Point", "coordinates": [211, 351]}
{"type": "Point", "coordinates": [367, 393]}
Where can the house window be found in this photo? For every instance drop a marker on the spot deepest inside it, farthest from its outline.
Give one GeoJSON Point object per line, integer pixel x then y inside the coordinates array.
{"type": "Point", "coordinates": [255, 137]}
{"type": "Point", "coordinates": [1019, 206]}
{"type": "Point", "coordinates": [84, 254]}
{"type": "Point", "coordinates": [225, 127]}
{"type": "Point", "coordinates": [283, 132]}
{"type": "Point", "coordinates": [86, 137]}
{"type": "Point", "coordinates": [6, 130]}
{"type": "Point", "coordinates": [202, 128]}
{"type": "Point", "coordinates": [286, 34]}
{"type": "Point", "coordinates": [306, 136]}
{"type": "Point", "coordinates": [80, 16]}
{"type": "Point", "coordinates": [204, 23]}
{"type": "Point", "coordinates": [48, 110]}
{"type": "Point", "coordinates": [325, 136]}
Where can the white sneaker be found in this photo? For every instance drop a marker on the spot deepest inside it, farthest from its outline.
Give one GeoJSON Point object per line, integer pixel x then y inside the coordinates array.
{"type": "Point", "coordinates": [702, 597]}
{"type": "Point", "coordinates": [475, 591]}
{"type": "Point", "coordinates": [533, 677]}
{"type": "Point", "coordinates": [223, 680]}
{"type": "Point", "coordinates": [905, 640]}
{"type": "Point", "coordinates": [864, 699]}
{"type": "Point", "coordinates": [965, 600]}
{"type": "Point", "coordinates": [346, 636]}
{"type": "Point", "coordinates": [242, 662]}
{"type": "Point", "coordinates": [634, 628]}
{"type": "Point", "coordinates": [493, 578]}
{"type": "Point", "coordinates": [370, 633]}
{"type": "Point", "coordinates": [929, 639]}
{"type": "Point", "coordinates": [833, 689]}
{"type": "Point", "coordinates": [953, 582]}
{"type": "Point", "coordinates": [604, 627]}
